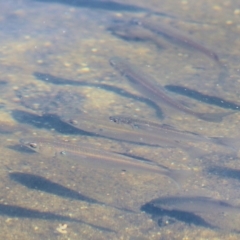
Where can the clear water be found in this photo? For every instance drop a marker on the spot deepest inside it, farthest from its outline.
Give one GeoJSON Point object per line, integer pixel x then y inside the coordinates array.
{"type": "Point", "coordinates": [54, 62]}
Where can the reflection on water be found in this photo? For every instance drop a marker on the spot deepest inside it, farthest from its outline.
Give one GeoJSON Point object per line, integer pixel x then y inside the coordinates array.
{"type": "Point", "coordinates": [104, 135]}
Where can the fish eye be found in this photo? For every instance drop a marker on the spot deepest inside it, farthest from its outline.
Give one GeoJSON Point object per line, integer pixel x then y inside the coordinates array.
{"type": "Point", "coordinates": [113, 119]}
{"type": "Point", "coordinates": [63, 153]}
{"type": "Point", "coordinates": [32, 145]}
{"type": "Point", "coordinates": [73, 121]}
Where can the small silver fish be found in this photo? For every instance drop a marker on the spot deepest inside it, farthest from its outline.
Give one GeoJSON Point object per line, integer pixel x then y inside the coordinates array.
{"type": "Point", "coordinates": [195, 204]}
{"type": "Point", "coordinates": [90, 156]}
{"type": "Point", "coordinates": [157, 94]}
{"type": "Point", "coordinates": [169, 132]}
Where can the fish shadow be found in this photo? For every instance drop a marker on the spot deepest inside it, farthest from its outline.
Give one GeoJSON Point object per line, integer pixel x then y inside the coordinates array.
{"type": "Point", "coordinates": [224, 172]}
{"type": "Point", "coordinates": [21, 212]}
{"type": "Point", "coordinates": [203, 98]}
{"type": "Point", "coordinates": [97, 4]}
{"type": "Point", "coordinates": [160, 214]}
{"type": "Point", "coordinates": [62, 81]}
{"type": "Point", "coordinates": [48, 121]}
{"type": "Point", "coordinates": [39, 183]}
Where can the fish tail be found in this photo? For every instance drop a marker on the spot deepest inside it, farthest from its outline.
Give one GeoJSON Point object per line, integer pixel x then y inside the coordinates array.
{"type": "Point", "coordinates": [193, 152]}
{"type": "Point", "coordinates": [233, 143]}
{"type": "Point", "coordinates": [214, 117]}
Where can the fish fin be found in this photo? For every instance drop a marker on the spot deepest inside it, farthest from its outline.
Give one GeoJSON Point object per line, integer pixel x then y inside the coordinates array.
{"type": "Point", "coordinates": [179, 177]}
{"type": "Point", "coordinates": [214, 117]}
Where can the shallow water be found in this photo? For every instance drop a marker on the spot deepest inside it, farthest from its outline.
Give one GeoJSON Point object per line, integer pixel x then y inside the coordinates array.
{"type": "Point", "coordinates": [54, 63]}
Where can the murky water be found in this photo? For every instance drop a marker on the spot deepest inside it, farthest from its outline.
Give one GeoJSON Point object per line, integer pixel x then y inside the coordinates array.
{"type": "Point", "coordinates": [56, 83]}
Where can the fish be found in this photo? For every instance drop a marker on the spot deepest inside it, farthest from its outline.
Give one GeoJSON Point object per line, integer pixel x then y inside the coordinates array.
{"type": "Point", "coordinates": [108, 129]}
{"type": "Point", "coordinates": [182, 39]}
{"type": "Point", "coordinates": [157, 94]}
{"type": "Point", "coordinates": [166, 217]}
{"type": "Point", "coordinates": [175, 35]}
{"type": "Point", "coordinates": [170, 132]}
{"type": "Point", "coordinates": [134, 122]}
{"type": "Point", "coordinates": [160, 34]}
{"type": "Point", "coordinates": [198, 210]}
{"type": "Point", "coordinates": [195, 204]}
{"type": "Point", "coordinates": [103, 128]}
{"type": "Point", "coordinates": [90, 156]}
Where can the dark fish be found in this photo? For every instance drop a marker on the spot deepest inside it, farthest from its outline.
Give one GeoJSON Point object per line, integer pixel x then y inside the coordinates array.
{"type": "Point", "coordinates": [170, 132]}
{"type": "Point", "coordinates": [90, 156]}
{"type": "Point", "coordinates": [144, 85]}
